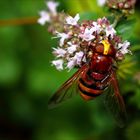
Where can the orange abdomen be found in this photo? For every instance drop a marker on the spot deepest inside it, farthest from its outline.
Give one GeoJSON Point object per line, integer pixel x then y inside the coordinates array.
{"type": "Point", "coordinates": [96, 79]}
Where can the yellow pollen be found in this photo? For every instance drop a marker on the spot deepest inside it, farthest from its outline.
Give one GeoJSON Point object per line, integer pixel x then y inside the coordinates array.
{"type": "Point", "coordinates": [106, 46]}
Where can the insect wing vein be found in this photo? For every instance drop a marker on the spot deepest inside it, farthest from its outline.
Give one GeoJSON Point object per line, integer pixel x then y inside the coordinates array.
{"type": "Point", "coordinates": [114, 102]}
{"type": "Point", "coordinates": [67, 90]}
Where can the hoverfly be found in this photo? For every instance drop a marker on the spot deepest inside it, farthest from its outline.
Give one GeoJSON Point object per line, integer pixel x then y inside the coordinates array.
{"type": "Point", "coordinates": [93, 79]}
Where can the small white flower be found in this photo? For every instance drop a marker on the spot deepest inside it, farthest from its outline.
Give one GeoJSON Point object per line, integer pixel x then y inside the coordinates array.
{"type": "Point", "coordinates": [59, 52]}
{"type": "Point", "coordinates": [52, 6]}
{"type": "Point", "coordinates": [103, 22]}
{"type": "Point", "coordinates": [96, 27]}
{"type": "Point", "coordinates": [72, 21]}
{"type": "Point", "coordinates": [76, 60]}
{"type": "Point", "coordinates": [71, 63]}
{"type": "Point", "coordinates": [87, 36]}
{"type": "Point", "coordinates": [78, 56]}
{"type": "Point", "coordinates": [72, 48]}
{"type": "Point", "coordinates": [62, 36]}
{"type": "Point", "coordinates": [110, 31]}
{"type": "Point", "coordinates": [124, 47]}
{"type": "Point", "coordinates": [44, 17]}
{"type": "Point", "coordinates": [101, 2]}
{"type": "Point", "coordinates": [58, 64]}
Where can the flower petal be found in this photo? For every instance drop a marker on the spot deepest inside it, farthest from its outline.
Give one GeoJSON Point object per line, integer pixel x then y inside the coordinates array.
{"type": "Point", "coordinates": [58, 64]}
{"type": "Point", "coordinates": [88, 35]}
{"type": "Point", "coordinates": [72, 21]}
{"type": "Point", "coordinates": [101, 2]}
{"type": "Point", "coordinates": [123, 47]}
{"type": "Point", "coordinates": [110, 31]}
{"type": "Point", "coordinates": [52, 6]}
{"type": "Point", "coordinates": [44, 17]}
{"type": "Point", "coordinates": [62, 36]}
{"type": "Point", "coordinates": [59, 52]}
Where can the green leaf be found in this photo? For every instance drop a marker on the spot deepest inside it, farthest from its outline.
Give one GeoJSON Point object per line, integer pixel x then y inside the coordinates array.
{"type": "Point", "coordinates": [136, 48]}
{"type": "Point", "coordinates": [10, 69]}
{"type": "Point", "coordinates": [136, 97]}
{"type": "Point", "coordinates": [88, 16]}
{"type": "Point", "coordinates": [127, 67]}
{"type": "Point", "coordinates": [132, 131]}
{"type": "Point", "coordinates": [126, 28]}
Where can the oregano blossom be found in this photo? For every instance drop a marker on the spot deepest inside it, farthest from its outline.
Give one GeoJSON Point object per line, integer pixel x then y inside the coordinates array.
{"type": "Point", "coordinates": [58, 64]}
{"type": "Point", "coordinates": [72, 21]}
{"type": "Point", "coordinates": [44, 17]}
{"type": "Point", "coordinates": [52, 6]}
{"type": "Point", "coordinates": [76, 38]}
{"type": "Point", "coordinates": [124, 47]}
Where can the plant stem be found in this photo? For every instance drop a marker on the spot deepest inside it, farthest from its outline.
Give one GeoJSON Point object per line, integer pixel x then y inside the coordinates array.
{"type": "Point", "coordinates": [22, 21]}
{"type": "Point", "coordinates": [117, 20]}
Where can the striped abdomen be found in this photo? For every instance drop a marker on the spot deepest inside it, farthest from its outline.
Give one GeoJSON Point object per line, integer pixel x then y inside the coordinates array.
{"type": "Point", "coordinates": [92, 84]}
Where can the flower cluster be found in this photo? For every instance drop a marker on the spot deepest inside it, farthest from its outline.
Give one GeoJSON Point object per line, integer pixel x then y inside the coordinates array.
{"type": "Point", "coordinates": [75, 42]}
{"type": "Point", "coordinates": [54, 19]}
{"type": "Point", "coordinates": [126, 6]}
{"type": "Point", "coordinates": [45, 16]}
{"type": "Point", "coordinates": [76, 39]}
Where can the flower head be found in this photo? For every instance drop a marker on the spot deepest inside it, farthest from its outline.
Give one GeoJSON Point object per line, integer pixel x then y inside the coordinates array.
{"type": "Point", "coordinates": [123, 47]}
{"type": "Point", "coordinates": [77, 40]}
{"type": "Point", "coordinates": [77, 43]}
{"type": "Point", "coordinates": [72, 21]}
{"type": "Point", "coordinates": [58, 64]}
{"type": "Point", "coordinates": [62, 36]}
{"type": "Point", "coordinates": [125, 6]}
{"type": "Point", "coordinates": [48, 16]}
{"type": "Point", "coordinates": [78, 57]}
{"type": "Point", "coordinates": [72, 48]}
{"type": "Point", "coordinates": [59, 52]}
{"type": "Point", "coordinates": [97, 27]}
{"type": "Point", "coordinates": [88, 34]}
{"type": "Point", "coordinates": [71, 63]}
{"type": "Point", "coordinates": [75, 61]}
{"type": "Point", "coordinates": [110, 31]}
{"type": "Point", "coordinates": [52, 6]}
{"type": "Point", "coordinates": [44, 17]}
{"type": "Point", "coordinates": [103, 22]}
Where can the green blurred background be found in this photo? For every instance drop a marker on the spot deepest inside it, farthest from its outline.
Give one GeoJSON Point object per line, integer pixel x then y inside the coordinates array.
{"type": "Point", "coordinates": [27, 80]}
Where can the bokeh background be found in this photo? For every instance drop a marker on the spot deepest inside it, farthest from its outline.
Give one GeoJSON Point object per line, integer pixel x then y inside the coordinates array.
{"type": "Point", "coordinates": [27, 79]}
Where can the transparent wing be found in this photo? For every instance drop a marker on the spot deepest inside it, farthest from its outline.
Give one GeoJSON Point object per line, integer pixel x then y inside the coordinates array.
{"type": "Point", "coordinates": [68, 89]}
{"type": "Point", "coordinates": [114, 102]}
